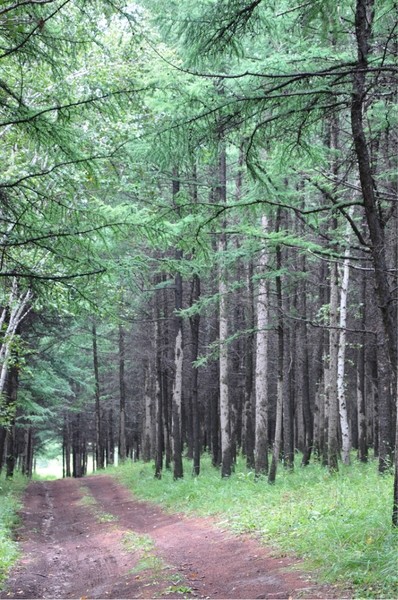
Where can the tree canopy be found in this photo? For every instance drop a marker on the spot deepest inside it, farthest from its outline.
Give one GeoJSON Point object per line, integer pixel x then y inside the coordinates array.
{"type": "Point", "coordinates": [199, 227]}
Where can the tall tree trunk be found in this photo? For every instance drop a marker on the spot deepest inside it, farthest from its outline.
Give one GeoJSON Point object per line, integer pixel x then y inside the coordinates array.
{"type": "Point", "coordinates": [225, 417]}
{"type": "Point", "coordinates": [166, 360]}
{"type": "Point", "coordinates": [280, 389]}
{"type": "Point", "coordinates": [111, 439]}
{"type": "Point", "coordinates": [194, 323]}
{"type": "Point", "coordinates": [343, 412]}
{"type": "Point", "coordinates": [158, 394]}
{"type": "Point", "coordinates": [306, 397]}
{"type": "Point", "coordinates": [248, 429]}
{"type": "Point", "coordinates": [288, 386]}
{"type": "Point", "coordinates": [178, 352]}
{"type": "Point", "coordinates": [361, 388]}
{"type": "Point", "coordinates": [122, 392]}
{"type": "Point", "coordinates": [98, 437]}
{"type": "Point", "coordinates": [177, 385]}
{"type": "Point", "coordinates": [261, 375]}
{"type": "Point", "coordinates": [331, 378]}
{"type": "Point", "coordinates": [12, 391]}
{"type": "Point", "coordinates": [147, 428]}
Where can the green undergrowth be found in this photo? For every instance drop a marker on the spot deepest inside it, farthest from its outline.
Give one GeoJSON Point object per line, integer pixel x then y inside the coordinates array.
{"type": "Point", "coordinates": [339, 524]}
{"type": "Point", "coordinates": [10, 502]}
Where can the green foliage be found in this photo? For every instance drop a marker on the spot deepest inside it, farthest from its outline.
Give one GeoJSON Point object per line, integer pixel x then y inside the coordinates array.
{"type": "Point", "coordinates": [339, 524]}
{"type": "Point", "coordinates": [10, 495]}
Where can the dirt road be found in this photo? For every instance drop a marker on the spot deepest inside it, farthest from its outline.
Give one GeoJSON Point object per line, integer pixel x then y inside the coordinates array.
{"type": "Point", "coordinates": [90, 538]}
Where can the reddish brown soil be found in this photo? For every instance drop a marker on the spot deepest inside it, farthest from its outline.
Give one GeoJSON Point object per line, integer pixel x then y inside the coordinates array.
{"type": "Point", "coordinates": [69, 552]}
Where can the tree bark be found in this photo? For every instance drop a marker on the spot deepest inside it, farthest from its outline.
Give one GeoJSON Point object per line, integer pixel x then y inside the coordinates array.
{"type": "Point", "coordinates": [98, 437]}
{"type": "Point", "coordinates": [177, 385]}
{"type": "Point", "coordinates": [248, 425]}
{"type": "Point", "coordinates": [280, 386]}
{"type": "Point", "coordinates": [225, 417]}
{"type": "Point", "coordinates": [194, 324]}
{"type": "Point", "coordinates": [147, 428]}
{"type": "Point", "coordinates": [331, 376]}
{"type": "Point", "coordinates": [122, 400]}
{"type": "Point", "coordinates": [361, 389]}
{"type": "Point", "coordinates": [158, 394]}
{"type": "Point", "coordinates": [344, 424]}
{"type": "Point", "coordinates": [261, 375]}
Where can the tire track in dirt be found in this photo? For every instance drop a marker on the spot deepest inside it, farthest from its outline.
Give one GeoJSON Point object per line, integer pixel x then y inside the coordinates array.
{"type": "Point", "coordinates": [68, 552]}
{"type": "Point", "coordinates": [215, 563]}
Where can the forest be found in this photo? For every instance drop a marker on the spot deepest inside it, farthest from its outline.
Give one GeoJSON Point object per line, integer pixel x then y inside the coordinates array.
{"type": "Point", "coordinates": [199, 235]}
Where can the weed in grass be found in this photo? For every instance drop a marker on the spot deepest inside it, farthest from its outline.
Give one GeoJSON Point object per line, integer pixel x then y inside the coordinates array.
{"type": "Point", "coordinates": [339, 524]}
{"type": "Point", "coordinates": [132, 542]}
{"type": "Point", "coordinates": [149, 563]}
{"type": "Point", "coordinates": [178, 589]}
{"type": "Point", "coordinates": [155, 565]}
{"type": "Point", "coordinates": [103, 517]}
{"type": "Point", "coordinates": [88, 500]}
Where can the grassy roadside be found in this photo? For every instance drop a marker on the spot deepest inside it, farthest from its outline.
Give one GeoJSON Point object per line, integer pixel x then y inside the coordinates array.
{"type": "Point", "coordinates": [10, 496]}
{"type": "Point", "coordinates": [340, 525]}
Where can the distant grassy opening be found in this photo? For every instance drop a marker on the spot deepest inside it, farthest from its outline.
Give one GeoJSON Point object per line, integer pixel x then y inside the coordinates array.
{"type": "Point", "coordinates": [339, 524]}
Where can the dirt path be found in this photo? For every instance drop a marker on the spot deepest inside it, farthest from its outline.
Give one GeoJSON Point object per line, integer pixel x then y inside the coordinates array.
{"type": "Point", "coordinates": [90, 538]}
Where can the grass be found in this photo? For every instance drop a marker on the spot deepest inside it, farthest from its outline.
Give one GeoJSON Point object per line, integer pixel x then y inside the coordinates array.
{"type": "Point", "coordinates": [151, 566]}
{"type": "Point", "coordinates": [10, 495]}
{"type": "Point", "coordinates": [339, 524]}
{"type": "Point", "coordinates": [90, 502]}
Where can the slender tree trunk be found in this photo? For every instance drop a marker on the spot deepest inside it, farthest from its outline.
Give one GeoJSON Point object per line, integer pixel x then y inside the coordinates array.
{"type": "Point", "coordinates": [331, 389]}
{"type": "Point", "coordinates": [111, 438]}
{"type": "Point", "coordinates": [67, 444]}
{"type": "Point", "coordinates": [98, 437]}
{"type": "Point", "coordinates": [177, 386]}
{"type": "Point", "coordinates": [12, 391]}
{"type": "Point", "coordinates": [225, 417]}
{"type": "Point", "coordinates": [178, 353]}
{"type": "Point", "coordinates": [159, 396]}
{"type": "Point", "coordinates": [76, 448]}
{"type": "Point", "coordinates": [344, 424]}
{"type": "Point", "coordinates": [280, 381]}
{"type": "Point", "coordinates": [122, 392]}
{"type": "Point", "coordinates": [194, 323]}
{"type": "Point", "coordinates": [3, 435]}
{"type": "Point", "coordinates": [361, 388]}
{"type": "Point", "coordinates": [166, 360]}
{"type": "Point", "coordinates": [288, 386]}
{"type": "Point", "coordinates": [248, 428]}
{"type": "Point", "coordinates": [147, 433]}
{"type": "Point", "coordinates": [306, 397]}
{"type": "Point", "coordinates": [261, 375]}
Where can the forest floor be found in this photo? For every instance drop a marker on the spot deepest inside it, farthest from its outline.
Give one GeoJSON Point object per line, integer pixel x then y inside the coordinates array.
{"type": "Point", "coordinates": [89, 538]}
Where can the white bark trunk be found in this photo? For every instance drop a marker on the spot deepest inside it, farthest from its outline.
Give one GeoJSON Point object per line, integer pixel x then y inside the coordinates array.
{"type": "Point", "coordinates": [17, 309]}
{"type": "Point", "coordinates": [345, 429]}
{"type": "Point", "coordinates": [148, 427]}
{"type": "Point", "coordinates": [261, 406]}
{"type": "Point", "coordinates": [177, 385]}
{"type": "Point", "coordinates": [224, 388]}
